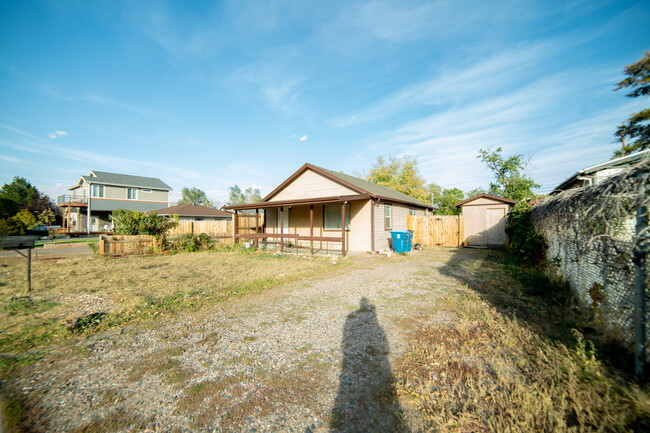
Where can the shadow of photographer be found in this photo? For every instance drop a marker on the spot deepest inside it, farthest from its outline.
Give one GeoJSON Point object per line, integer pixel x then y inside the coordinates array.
{"type": "Point", "coordinates": [366, 399]}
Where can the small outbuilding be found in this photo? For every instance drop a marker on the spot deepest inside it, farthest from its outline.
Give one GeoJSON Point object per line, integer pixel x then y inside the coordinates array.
{"type": "Point", "coordinates": [190, 212]}
{"type": "Point", "coordinates": [484, 219]}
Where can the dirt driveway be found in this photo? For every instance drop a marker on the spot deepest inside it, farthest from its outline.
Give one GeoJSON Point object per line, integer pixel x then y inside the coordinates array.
{"type": "Point", "coordinates": [311, 356]}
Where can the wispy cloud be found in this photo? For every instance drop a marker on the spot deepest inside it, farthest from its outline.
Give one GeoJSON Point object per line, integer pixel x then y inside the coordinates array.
{"type": "Point", "coordinates": [57, 134]}
{"type": "Point", "coordinates": [304, 138]}
{"type": "Point", "coordinates": [19, 131]}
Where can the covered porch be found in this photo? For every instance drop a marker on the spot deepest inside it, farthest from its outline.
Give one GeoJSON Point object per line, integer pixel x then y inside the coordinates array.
{"type": "Point", "coordinates": [308, 226]}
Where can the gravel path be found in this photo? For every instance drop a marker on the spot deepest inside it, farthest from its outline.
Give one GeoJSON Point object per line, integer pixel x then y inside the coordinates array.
{"type": "Point", "coordinates": [311, 356]}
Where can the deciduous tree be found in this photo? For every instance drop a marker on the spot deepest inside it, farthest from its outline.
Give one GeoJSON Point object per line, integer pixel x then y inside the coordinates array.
{"type": "Point", "coordinates": [249, 195]}
{"type": "Point", "coordinates": [634, 134]}
{"type": "Point", "coordinates": [401, 174]}
{"type": "Point", "coordinates": [509, 174]}
{"type": "Point", "coordinates": [194, 196]}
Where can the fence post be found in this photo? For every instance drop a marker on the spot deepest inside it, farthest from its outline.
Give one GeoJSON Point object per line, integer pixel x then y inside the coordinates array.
{"type": "Point", "coordinates": [640, 259]}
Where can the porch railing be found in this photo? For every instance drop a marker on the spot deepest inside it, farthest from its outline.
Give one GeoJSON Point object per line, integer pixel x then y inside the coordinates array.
{"type": "Point", "coordinates": [71, 199]}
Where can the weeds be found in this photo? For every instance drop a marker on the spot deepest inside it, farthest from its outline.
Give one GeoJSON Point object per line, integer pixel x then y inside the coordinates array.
{"type": "Point", "coordinates": [513, 360]}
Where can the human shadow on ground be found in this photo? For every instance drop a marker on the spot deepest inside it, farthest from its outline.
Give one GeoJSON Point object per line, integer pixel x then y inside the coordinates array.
{"type": "Point", "coordinates": [366, 399]}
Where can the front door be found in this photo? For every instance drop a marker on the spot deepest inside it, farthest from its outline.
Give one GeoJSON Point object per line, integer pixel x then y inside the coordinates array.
{"type": "Point", "coordinates": [496, 226]}
{"type": "Point", "coordinates": [285, 227]}
{"type": "Point", "coordinates": [94, 224]}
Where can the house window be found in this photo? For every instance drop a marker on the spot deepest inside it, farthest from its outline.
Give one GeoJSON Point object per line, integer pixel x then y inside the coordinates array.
{"type": "Point", "coordinates": [413, 212]}
{"type": "Point", "coordinates": [332, 217]}
{"type": "Point", "coordinates": [388, 217]}
{"type": "Point", "coordinates": [132, 193]}
{"type": "Point", "coordinates": [146, 190]}
{"type": "Point", "coordinates": [73, 220]}
{"type": "Point", "coordinates": [98, 191]}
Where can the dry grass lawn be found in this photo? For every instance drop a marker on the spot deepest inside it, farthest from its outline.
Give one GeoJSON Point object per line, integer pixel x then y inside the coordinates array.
{"type": "Point", "coordinates": [90, 293]}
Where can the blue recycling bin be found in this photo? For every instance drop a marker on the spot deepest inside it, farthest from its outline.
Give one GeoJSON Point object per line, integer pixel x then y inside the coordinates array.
{"type": "Point", "coordinates": [401, 240]}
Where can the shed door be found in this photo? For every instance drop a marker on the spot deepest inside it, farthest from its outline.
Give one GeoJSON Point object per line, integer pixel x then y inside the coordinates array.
{"type": "Point", "coordinates": [496, 226]}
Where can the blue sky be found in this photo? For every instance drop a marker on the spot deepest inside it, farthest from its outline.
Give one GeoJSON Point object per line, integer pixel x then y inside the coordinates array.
{"type": "Point", "coordinates": [211, 94]}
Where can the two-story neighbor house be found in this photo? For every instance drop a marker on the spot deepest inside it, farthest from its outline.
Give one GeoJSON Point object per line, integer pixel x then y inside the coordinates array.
{"type": "Point", "coordinates": [88, 207]}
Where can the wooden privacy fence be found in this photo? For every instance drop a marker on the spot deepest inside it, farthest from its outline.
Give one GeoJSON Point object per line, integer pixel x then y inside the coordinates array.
{"type": "Point", "coordinates": [121, 245]}
{"type": "Point", "coordinates": [437, 230]}
{"type": "Point", "coordinates": [214, 229]}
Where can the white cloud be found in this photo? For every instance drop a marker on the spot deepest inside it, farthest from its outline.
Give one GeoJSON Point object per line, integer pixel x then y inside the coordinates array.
{"type": "Point", "coordinates": [304, 138]}
{"type": "Point", "coordinates": [57, 134]}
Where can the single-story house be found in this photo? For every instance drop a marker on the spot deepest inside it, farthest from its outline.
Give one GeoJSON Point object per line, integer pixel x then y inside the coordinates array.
{"type": "Point", "coordinates": [484, 220]}
{"type": "Point", "coordinates": [190, 212]}
{"type": "Point", "coordinates": [322, 209]}
{"type": "Point", "coordinates": [597, 173]}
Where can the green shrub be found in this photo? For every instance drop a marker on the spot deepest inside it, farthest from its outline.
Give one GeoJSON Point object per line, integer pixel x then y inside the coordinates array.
{"type": "Point", "coordinates": [128, 222]}
{"type": "Point", "coordinates": [190, 243]}
{"type": "Point", "coordinates": [524, 241]}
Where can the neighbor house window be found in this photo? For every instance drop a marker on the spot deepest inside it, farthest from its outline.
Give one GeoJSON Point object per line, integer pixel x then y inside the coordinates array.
{"type": "Point", "coordinates": [413, 212]}
{"type": "Point", "coordinates": [146, 190]}
{"type": "Point", "coordinates": [332, 216]}
{"type": "Point", "coordinates": [132, 193]}
{"type": "Point", "coordinates": [388, 216]}
{"type": "Point", "coordinates": [98, 191]}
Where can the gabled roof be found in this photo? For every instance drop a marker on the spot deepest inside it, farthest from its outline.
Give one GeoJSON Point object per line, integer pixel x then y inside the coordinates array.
{"type": "Point", "coordinates": [623, 160]}
{"type": "Point", "coordinates": [116, 179]}
{"type": "Point", "coordinates": [194, 211]}
{"type": "Point", "coordinates": [484, 195]}
{"type": "Point", "coordinates": [359, 185]}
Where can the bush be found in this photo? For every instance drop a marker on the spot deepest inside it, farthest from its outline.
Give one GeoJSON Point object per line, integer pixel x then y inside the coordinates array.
{"type": "Point", "coordinates": [128, 222]}
{"type": "Point", "coordinates": [191, 243]}
{"type": "Point", "coordinates": [523, 240]}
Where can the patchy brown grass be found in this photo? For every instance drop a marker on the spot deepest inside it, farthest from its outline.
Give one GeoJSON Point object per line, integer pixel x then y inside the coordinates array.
{"type": "Point", "coordinates": [233, 399]}
{"type": "Point", "coordinates": [128, 289]}
{"type": "Point", "coordinates": [510, 361]}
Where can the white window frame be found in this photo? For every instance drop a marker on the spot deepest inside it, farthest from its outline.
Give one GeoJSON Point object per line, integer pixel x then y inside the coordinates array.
{"type": "Point", "coordinates": [413, 212]}
{"type": "Point", "coordinates": [100, 191]}
{"type": "Point", "coordinates": [135, 195]}
{"type": "Point", "coordinates": [145, 190]}
{"type": "Point", "coordinates": [388, 217]}
{"type": "Point", "coordinates": [336, 209]}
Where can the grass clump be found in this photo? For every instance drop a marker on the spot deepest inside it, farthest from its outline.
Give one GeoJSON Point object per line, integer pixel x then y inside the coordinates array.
{"type": "Point", "coordinates": [513, 359]}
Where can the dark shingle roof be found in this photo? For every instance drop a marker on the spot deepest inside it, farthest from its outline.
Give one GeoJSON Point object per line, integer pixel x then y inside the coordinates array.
{"type": "Point", "coordinates": [193, 210]}
{"type": "Point", "coordinates": [125, 180]}
{"type": "Point", "coordinates": [376, 189]}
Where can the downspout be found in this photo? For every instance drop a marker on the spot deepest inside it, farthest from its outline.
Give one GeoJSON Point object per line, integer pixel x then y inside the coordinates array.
{"type": "Point", "coordinates": [372, 225]}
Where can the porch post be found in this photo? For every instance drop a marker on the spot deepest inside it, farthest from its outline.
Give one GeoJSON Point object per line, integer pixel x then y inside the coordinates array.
{"type": "Point", "coordinates": [281, 229]}
{"type": "Point", "coordinates": [235, 229]}
{"type": "Point", "coordinates": [257, 224]}
{"type": "Point", "coordinates": [311, 229]}
{"type": "Point", "coordinates": [343, 229]}
{"type": "Point", "coordinates": [67, 223]}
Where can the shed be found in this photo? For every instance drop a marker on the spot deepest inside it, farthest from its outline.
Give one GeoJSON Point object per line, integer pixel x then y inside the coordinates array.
{"type": "Point", "coordinates": [484, 219]}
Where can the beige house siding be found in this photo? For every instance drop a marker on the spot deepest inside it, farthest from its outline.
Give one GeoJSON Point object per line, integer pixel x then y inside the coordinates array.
{"type": "Point", "coordinates": [356, 239]}
{"type": "Point", "coordinates": [360, 233]}
{"type": "Point", "coordinates": [399, 216]}
{"type": "Point", "coordinates": [311, 185]}
{"type": "Point", "coordinates": [483, 221]}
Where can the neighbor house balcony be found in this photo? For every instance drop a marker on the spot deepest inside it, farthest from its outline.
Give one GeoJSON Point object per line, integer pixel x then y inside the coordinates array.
{"type": "Point", "coordinates": [71, 200]}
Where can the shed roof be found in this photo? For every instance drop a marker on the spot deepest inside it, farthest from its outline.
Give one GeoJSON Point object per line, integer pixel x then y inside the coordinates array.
{"type": "Point", "coordinates": [361, 186]}
{"type": "Point", "coordinates": [194, 211]}
{"type": "Point", "coordinates": [484, 195]}
{"type": "Point", "coordinates": [118, 179]}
